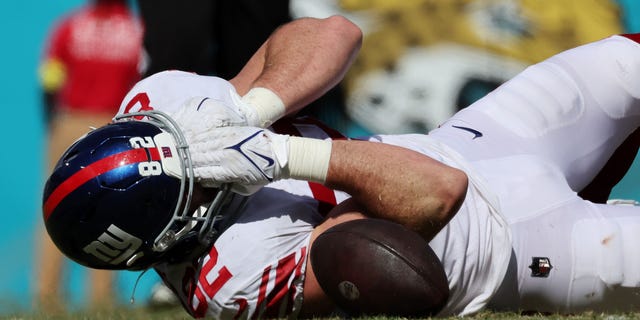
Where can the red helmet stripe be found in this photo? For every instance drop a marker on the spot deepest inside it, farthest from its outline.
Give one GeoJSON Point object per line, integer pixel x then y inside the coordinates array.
{"type": "Point", "coordinates": [91, 171]}
{"type": "Point", "coordinates": [155, 154]}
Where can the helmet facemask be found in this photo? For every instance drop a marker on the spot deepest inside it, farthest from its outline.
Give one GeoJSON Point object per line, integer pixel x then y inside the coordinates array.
{"type": "Point", "coordinates": [184, 219]}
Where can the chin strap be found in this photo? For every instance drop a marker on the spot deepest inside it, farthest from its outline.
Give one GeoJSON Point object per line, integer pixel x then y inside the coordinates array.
{"type": "Point", "coordinates": [132, 300]}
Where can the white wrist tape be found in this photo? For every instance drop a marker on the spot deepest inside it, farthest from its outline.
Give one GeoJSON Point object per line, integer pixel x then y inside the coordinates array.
{"type": "Point", "coordinates": [309, 159]}
{"type": "Point", "coordinates": [267, 105]}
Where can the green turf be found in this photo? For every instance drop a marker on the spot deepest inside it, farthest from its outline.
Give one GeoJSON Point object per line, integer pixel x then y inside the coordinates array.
{"type": "Point", "coordinates": [117, 314]}
{"type": "Point", "coordinates": [178, 314]}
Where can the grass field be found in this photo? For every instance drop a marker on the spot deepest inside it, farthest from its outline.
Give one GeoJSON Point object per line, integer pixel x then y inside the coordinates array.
{"type": "Point", "coordinates": [178, 314]}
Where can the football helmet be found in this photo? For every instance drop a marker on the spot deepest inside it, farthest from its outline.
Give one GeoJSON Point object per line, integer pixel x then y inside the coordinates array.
{"type": "Point", "coordinates": [120, 196]}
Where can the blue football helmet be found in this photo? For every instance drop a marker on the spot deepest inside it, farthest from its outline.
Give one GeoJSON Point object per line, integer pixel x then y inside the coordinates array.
{"type": "Point", "coordinates": [120, 196]}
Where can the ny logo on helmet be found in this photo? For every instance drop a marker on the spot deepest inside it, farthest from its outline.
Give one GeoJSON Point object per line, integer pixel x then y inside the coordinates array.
{"type": "Point", "coordinates": [113, 246]}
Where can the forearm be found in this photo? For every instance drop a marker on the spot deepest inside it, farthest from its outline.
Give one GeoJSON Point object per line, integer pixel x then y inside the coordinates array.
{"type": "Point", "coordinates": [390, 182]}
{"type": "Point", "coordinates": [397, 184]}
{"type": "Point", "coordinates": [302, 60]}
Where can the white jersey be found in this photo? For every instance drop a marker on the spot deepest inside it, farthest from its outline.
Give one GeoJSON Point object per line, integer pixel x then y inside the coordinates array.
{"type": "Point", "coordinates": [256, 267]}
{"type": "Point", "coordinates": [536, 141]}
{"type": "Point", "coordinates": [475, 246]}
{"type": "Point", "coordinates": [168, 91]}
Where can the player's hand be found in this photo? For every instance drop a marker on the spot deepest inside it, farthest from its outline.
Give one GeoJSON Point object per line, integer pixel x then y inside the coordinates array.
{"type": "Point", "coordinates": [200, 114]}
{"type": "Point", "coordinates": [260, 107]}
{"type": "Point", "coordinates": [245, 157]}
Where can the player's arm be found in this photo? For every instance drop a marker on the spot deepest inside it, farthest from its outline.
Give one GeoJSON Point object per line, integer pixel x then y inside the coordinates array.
{"type": "Point", "coordinates": [397, 184]}
{"type": "Point", "coordinates": [299, 62]}
{"type": "Point", "coordinates": [387, 182]}
{"type": "Point", "coordinates": [390, 182]}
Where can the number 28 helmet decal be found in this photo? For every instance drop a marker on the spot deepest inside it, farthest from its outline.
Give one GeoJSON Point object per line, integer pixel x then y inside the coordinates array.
{"type": "Point", "coordinates": [120, 196]}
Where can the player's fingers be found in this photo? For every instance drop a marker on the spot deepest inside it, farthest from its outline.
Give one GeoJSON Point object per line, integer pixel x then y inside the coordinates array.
{"type": "Point", "coordinates": [215, 175]}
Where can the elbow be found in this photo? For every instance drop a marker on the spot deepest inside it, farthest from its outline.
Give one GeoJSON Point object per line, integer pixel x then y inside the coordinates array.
{"type": "Point", "coordinates": [436, 210]}
{"type": "Point", "coordinates": [455, 184]}
{"type": "Point", "coordinates": [349, 32]}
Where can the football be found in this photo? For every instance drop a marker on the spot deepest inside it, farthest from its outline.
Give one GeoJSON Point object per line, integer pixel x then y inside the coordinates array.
{"type": "Point", "coordinates": [377, 267]}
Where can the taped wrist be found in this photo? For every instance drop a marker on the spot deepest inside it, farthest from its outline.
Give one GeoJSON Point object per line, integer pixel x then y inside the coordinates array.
{"type": "Point", "coordinates": [308, 159]}
{"type": "Point", "coordinates": [268, 106]}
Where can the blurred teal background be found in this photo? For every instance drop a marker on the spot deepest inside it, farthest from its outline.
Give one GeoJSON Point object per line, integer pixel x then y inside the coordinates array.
{"type": "Point", "coordinates": [24, 27]}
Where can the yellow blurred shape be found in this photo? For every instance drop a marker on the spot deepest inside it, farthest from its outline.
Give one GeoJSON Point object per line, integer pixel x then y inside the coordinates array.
{"type": "Point", "coordinates": [52, 74]}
